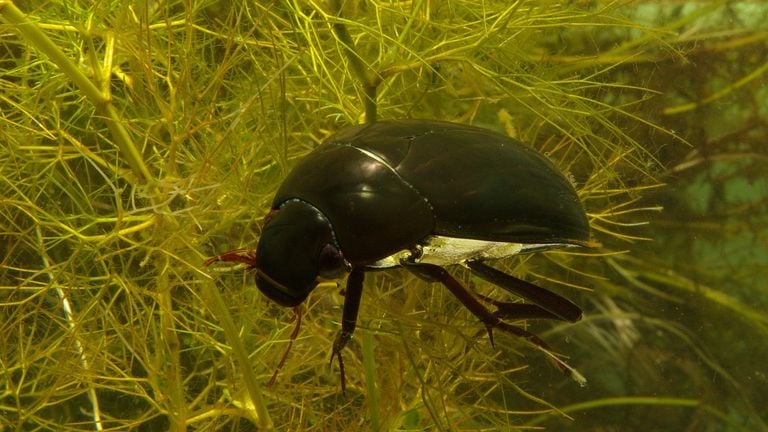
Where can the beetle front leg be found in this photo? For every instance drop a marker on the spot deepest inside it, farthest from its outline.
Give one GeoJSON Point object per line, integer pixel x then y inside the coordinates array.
{"type": "Point", "coordinates": [354, 293]}
{"type": "Point", "coordinates": [242, 256]}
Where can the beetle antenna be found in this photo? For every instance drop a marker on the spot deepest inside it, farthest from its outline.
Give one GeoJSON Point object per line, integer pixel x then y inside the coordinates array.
{"type": "Point", "coordinates": [297, 317]}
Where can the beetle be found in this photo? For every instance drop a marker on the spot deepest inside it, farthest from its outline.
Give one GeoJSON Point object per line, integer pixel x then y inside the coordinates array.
{"type": "Point", "coordinates": [421, 194]}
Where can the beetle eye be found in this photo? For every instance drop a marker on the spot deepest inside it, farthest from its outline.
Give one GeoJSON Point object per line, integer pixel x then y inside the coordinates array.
{"type": "Point", "coordinates": [331, 262]}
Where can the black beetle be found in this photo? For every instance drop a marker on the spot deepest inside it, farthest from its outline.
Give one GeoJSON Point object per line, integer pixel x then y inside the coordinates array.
{"type": "Point", "coordinates": [420, 194]}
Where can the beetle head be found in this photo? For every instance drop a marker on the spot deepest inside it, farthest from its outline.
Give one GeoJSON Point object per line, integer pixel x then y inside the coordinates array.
{"type": "Point", "coordinates": [296, 246]}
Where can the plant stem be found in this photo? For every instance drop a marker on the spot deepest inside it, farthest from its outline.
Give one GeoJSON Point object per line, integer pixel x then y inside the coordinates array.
{"type": "Point", "coordinates": [69, 315]}
{"type": "Point", "coordinates": [219, 309]}
{"type": "Point", "coordinates": [368, 79]}
{"type": "Point", "coordinates": [369, 365]}
{"type": "Point", "coordinates": [103, 104]}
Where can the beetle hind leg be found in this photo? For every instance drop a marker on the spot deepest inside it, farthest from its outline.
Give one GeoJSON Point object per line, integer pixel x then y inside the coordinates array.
{"type": "Point", "coordinates": [556, 305]}
{"type": "Point", "coordinates": [491, 320]}
{"type": "Point", "coordinates": [518, 311]}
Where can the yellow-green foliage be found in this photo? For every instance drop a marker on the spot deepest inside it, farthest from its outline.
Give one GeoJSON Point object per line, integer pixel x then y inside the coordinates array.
{"type": "Point", "coordinates": [139, 138]}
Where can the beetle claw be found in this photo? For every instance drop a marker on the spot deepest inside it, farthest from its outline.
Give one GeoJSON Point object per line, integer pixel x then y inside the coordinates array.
{"type": "Point", "coordinates": [342, 338]}
{"type": "Point", "coordinates": [489, 328]}
{"type": "Point", "coordinates": [354, 292]}
{"type": "Point", "coordinates": [337, 354]}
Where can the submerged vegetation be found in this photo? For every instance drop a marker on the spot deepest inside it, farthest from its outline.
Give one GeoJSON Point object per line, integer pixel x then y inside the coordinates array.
{"type": "Point", "coordinates": [139, 138]}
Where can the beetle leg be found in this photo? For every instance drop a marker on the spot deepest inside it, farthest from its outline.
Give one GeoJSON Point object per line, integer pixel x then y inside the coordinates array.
{"type": "Point", "coordinates": [518, 311]}
{"type": "Point", "coordinates": [488, 318]}
{"type": "Point", "coordinates": [352, 298]}
{"type": "Point", "coordinates": [294, 335]}
{"type": "Point", "coordinates": [491, 321]}
{"type": "Point", "coordinates": [557, 305]}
